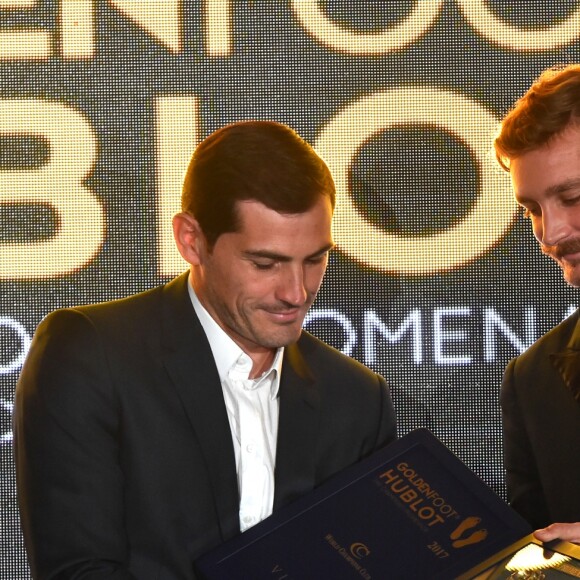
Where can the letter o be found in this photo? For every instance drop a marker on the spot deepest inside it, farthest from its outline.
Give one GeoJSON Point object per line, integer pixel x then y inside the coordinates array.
{"type": "Point", "coordinates": [426, 513]}
{"type": "Point", "coordinates": [495, 29]}
{"type": "Point", "coordinates": [339, 318]}
{"type": "Point", "coordinates": [25, 340]}
{"type": "Point", "coordinates": [317, 23]}
{"type": "Point", "coordinates": [484, 226]}
{"type": "Point", "coordinates": [7, 406]}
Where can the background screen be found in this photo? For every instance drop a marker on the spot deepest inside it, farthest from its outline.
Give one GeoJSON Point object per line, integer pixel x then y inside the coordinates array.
{"type": "Point", "coordinates": [436, 281]}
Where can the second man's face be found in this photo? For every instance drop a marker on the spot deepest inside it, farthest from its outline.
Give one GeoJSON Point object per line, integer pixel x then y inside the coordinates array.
{"type": "Point", "coordinates": [259, 282]}
{"type": "Point", "coordinates": [546, 184]}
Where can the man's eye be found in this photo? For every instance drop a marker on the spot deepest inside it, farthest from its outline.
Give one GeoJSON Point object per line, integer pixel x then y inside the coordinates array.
{"type": "Point", "coordinates": [528, 212]}
{"type": "Point", "coordinates": [571, 201]}
{"type": "Point", "coordinates": [263, 265]}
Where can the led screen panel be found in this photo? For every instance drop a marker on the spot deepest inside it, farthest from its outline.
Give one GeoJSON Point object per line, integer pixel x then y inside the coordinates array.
{"type": "Point", "coordinates": [436, 281]}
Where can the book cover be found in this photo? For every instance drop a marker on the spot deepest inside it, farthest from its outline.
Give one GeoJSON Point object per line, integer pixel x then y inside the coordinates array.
{"type": "Point", "coordinates": [411, 510]}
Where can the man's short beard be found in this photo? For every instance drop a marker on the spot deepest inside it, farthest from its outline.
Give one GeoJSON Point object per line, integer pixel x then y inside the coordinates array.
{"type": "Point", "coordinates": [558, 252]}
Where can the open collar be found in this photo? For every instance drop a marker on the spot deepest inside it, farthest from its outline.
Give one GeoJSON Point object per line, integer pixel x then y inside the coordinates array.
{"type": "Point", "coordinates": [567, 362]}
{"type": "Point", "coordinates": [191, 367]}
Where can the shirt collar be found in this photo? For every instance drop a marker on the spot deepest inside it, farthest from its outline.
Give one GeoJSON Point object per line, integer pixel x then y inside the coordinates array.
{"type": "Point", "coordinates": [226, 352]}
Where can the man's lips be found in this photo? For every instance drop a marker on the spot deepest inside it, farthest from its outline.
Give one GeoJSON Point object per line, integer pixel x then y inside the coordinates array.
{"type": "Point", "coordinates": [288, 315]}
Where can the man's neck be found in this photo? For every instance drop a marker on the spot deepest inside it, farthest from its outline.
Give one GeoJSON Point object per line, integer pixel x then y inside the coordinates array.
{"type": "Point", "coordinates": [261, 362]}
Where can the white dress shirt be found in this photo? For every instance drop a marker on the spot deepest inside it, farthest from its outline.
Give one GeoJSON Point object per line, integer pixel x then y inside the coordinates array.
{"type": "Point", "coordinates": [253, 407]}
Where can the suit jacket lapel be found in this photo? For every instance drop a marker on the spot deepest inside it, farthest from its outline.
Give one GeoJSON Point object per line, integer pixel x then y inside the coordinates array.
{"type": "Point", "coordinates": [567, 362]}
{"type": "Point", "coordinates": [190, 365]}
{"type": "Point", "coordinates": [297, 429]}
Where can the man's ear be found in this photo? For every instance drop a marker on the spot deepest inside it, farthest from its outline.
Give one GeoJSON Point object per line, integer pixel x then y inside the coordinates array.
{"type": "Point", "coordinates": [189, 238]}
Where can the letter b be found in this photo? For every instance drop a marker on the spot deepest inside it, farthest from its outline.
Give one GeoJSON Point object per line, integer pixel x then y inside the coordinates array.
{"type": "Point", "coordinates": [58, 183]}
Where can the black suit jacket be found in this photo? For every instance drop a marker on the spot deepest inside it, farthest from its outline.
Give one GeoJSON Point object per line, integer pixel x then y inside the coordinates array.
{"type": "Point", "coordinates": [540, 401]}
{"type": "Point", "coordinates": [125, 464]}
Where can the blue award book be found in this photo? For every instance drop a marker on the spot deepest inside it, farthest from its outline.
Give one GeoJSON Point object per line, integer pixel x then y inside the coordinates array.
{"type": "Point", "coordinates": [411, 510]}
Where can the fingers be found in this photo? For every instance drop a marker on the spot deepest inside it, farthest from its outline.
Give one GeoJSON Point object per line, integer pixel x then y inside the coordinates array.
{"type": "Point", "coordinates": [568, 532]}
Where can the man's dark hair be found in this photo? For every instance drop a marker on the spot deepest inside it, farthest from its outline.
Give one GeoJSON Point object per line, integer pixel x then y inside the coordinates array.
{"type": "Point", "coordinates": [549, 106]}
{"type": "Point", "coordinates": [262, 161]}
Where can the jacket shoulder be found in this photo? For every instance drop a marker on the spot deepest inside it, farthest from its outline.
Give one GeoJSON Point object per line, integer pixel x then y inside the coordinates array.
{"type": "Point", "coordinates": [315, 350]}
{"type": "Point", "coordinates": [128, 311]}
{"type": "Point", "coordinates": [554, 340]}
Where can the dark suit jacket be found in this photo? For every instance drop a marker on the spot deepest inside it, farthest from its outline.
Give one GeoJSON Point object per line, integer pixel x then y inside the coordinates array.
{"type": "Point", "coordinates": [540, 401]}
{"type": "Point", "coordinates": [125, 463]}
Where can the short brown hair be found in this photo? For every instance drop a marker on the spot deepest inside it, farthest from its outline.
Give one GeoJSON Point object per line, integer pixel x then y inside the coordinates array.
{"type": "Point", "coordinates": [549, 106]}
{"type": "Point", "coordinates": [252, 160]}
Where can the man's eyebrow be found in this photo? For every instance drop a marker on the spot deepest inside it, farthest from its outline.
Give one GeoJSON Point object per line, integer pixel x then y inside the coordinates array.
{"type": "Point", "coordinates": [266, 254]}
{"type": "Point", "coordinates": [565, 186]}
{"type": "Point", "coordinates": [557, 189]}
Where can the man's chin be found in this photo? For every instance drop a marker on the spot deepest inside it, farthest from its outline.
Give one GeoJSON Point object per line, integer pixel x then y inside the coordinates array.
{"type": "Point", "coordinates": [574, 282]}
{"type": "Point", "coordinates": [279, 337]}
{"type": "Point", "coordinates": [572, 275]}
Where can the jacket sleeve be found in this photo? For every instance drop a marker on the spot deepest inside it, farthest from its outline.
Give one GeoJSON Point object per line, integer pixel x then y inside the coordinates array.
{"type": "Point", "coordinates": [524, 488]}
{"type": "Point", "coordinates": [70, 485]}
{"type": "Point", "coordinates": [387, 432]}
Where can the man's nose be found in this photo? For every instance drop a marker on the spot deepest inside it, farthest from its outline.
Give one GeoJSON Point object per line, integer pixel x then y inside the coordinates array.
{"type": "Point", "coordinates": [554, 226]}
{"type": "Point", "coordinates": [292, 289]}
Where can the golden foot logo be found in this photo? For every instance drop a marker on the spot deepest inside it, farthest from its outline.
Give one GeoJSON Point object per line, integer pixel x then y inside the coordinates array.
{"type": "Point", "coordinates": [464, 535]}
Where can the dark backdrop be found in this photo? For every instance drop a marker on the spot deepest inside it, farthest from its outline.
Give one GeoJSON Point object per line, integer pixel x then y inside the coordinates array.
{"type": "Point", "coordinates": [436, 281]}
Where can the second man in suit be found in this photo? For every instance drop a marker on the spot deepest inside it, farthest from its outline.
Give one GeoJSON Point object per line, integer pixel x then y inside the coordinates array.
{"type": "Point", "coordinates": [539, 144]}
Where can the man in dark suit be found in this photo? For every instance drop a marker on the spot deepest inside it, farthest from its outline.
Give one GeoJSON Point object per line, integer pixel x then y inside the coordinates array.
{"type": "Point", "coordinates": [539, 144]}
{"type": "Point", "coordinates": [149, 430]}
